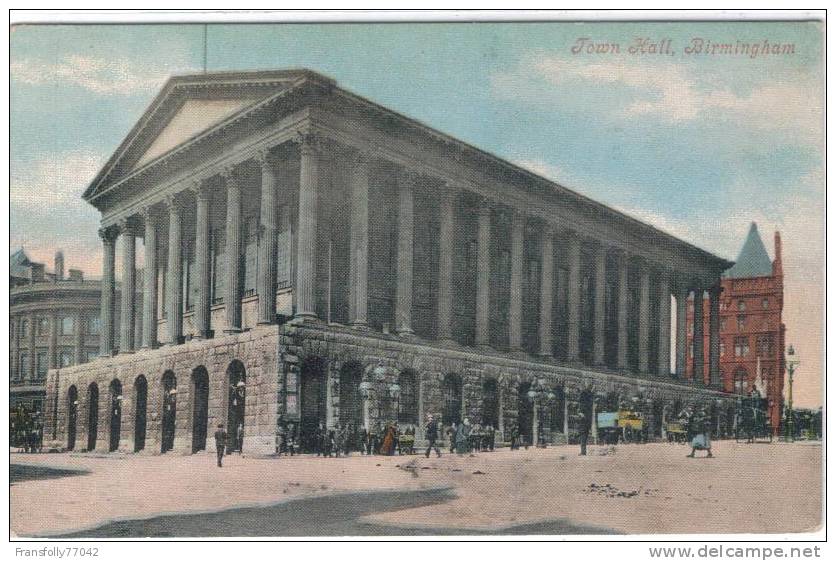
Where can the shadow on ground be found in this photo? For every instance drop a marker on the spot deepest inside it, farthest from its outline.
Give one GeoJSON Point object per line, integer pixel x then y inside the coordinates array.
{"type": "Point", "coordinates": [19, 473]}
{"type": "Point", "coordinates": [337, 515]}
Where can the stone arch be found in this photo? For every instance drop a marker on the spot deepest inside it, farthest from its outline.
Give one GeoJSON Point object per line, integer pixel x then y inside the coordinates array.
{"type": "Point", "coordinates": [489, 410]}
{"type": "Point", "coordinates": [236, 411]}
{"type": "Point", "coordinates": [313, 374]}
{"type": "Point", "coordinates": [140, 411]}
{"type": "Point", "coordinates": [200, 408]}
{"type": "Point", "coordinates": [408, 381]}
{"type": "Point", "coordinates": [115, 395]}
{"type": "Point", "coordinates": [453, 399]}
{"type": "Point", "coordinates": [351, 399]}
{"type": "Point", "coordinates": [525, 412]}
{"type": "Point", "coordinates": [92, 415]}
{"type": "Point", "coordinates": [72, 416]}
{"type": "Point", "coordinates": [169, 416]}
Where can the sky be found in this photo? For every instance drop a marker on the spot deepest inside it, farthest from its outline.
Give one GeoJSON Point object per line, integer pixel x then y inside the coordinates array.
{"type": "Point", "coordinates": [699, 145]}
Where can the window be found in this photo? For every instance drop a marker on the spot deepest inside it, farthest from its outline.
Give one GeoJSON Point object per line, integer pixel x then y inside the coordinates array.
{"type": "Point", "coordinates": [94, 325]}
{"type": "Point", "coordinates": [741, 346]}
{"type": "Point", "coordinates": [723, 324]}
{"type": "Point", "coordinates": [740, 384]}
{"type": "Point", "coordinates": [89, 354]}
{"type": "Point", "coordinates": [765, 303]}
{"type": "Point", "coordinates": [24, 328]}
{"type": "Point", "coordinates": [67, 325]}
{"type": "Point", "coordinates": [764, 345]}
{"type": "Point", "coordinates": [23, 367]}
{"type": "Point", "coordinates": [65, 358]}
{"type": "Point", "coordinates": [41, 365]}
{"type": "Point", "coordinates": [741, 305]}
{"type": "Point", "coordinates": [42, 326]}
{"type": "Point", "coordinates": [741, 323]}
{"type": "Point", "coordinates": [722, 349]}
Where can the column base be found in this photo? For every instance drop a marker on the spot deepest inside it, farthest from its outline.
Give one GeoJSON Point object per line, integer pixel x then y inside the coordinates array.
{"type": "Point", "coordinates": [359, 325]}
{"type": "Point", "coordinates": [233, 330]}
{"type": "Point", "coordinates": [305, 318]}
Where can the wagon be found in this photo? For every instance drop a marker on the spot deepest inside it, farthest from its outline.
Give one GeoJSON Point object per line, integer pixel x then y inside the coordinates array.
{"type": "Point", "coordinates": [676, 432]}
{"type": "Point", "coordinates": [406, 444]}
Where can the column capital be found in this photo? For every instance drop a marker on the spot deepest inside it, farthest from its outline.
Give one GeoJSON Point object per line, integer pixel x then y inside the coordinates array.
{"type": "Point", "coordinates": [200, 188]}
{"type": "Point", "coordinates": [173, 202]}
{"type": "Point", "coordinates": [485, 206]}
{"type": "Point", "coordinates": [148, 213]}
{"type": "Point", "coordinates": [109, 233]}
{"type": "Point", "coordinates": [311, 143]}
{"type": "Point", "coordinates": [127, 226]}
{"type": "Point", "coordinates": [408, 176]}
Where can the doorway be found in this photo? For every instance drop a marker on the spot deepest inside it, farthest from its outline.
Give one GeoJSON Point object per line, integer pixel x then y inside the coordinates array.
{"type": "Point", "coordinates": [141, 400]}
{"type": "Point", "coordinates": [92, 415]}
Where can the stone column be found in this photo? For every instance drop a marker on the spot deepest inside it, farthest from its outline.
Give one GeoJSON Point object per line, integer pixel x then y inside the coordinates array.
{"type": "Point", "coordinates": [714, 336]}
{"type": "Point", "coordinates": [574, 298]}
{"type": "Point", "coordinates": [14, 367]}
{"type": "Point", "coordinates": [644, 320]}
{"type": "Point", "coordinates": [202, 321]}
{"type": "Point", "coordinates": [174, 289]}
{"type": "Point", "coordinates": [232, 295]}
{"type": "Point", "coordinates": [78, 353]}
{"type": "Point", "coordinates": [515, 300]}
{"type": "Point", "coordinates": [149, 288]}
{"type": "Point", "coordinates": [600, 304]}
{"type": "Point", "coordinates": [681, 332]}
{"type": "Point", "coordinates": [108, 236]}
{"type": "Point", "coordinates": [306, 242]}
{"type": "Point", "coordinates": [126, 334]}
{"type": "Point", "coordinates": [445, 264]}
{"type": "Point", "coordinates": [546, 290]}
{"type": "Point", "coordinates": [359, 259]}
{"type": "Point", "coordinates": [52, 348]}
{"type": "Point", "coordinates": [623, 295]}
{"type": "Point", "coordinates": [406, 220]}
{"type": "Point", "coordinates": [664, 326]}
{"type": "Point", "coordinates": [699, 338]}
{"type": "Point", "coordinates": [483, 275]}
{"type": "Point", "coordinates": [268, 243]}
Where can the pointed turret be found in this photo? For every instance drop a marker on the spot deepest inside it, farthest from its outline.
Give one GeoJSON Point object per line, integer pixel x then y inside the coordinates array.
{"type": "Point", "coordinates": [753, 260]}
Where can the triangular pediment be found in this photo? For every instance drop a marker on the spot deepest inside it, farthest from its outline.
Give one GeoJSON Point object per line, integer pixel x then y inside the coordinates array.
{"type": "Point", "coordinates": [186, 108]}
{"type": "Point", "coordinates": [195, 116]}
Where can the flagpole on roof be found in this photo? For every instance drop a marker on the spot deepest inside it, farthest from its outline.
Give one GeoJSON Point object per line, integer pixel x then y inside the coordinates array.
{"type": "Point", "coordinates": [205, 41]}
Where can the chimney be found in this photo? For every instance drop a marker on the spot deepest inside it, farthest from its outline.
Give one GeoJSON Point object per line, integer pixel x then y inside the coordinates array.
{"type": "Point", "coordinates": [76, 275]}
{"type": "Point", "coordinates": [37, 272]}
{"type": "Point", "coordinates": [777, 266]}
{"type": "Point", "coordinates": [59, 266]}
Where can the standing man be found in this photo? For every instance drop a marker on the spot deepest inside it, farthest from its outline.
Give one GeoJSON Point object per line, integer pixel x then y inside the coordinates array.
{"type": "Point", "coordinates": [432, 436]}
{"type": "Point", "coordinates": [239, 434]}
{"type": "Point", "coordinates": [583, 432]}
{"type": "Point", "coordinates": [220, 443]}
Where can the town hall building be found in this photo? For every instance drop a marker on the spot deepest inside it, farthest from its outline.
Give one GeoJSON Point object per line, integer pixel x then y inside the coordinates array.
{"type": "Point", "coordinates": [311, 256]}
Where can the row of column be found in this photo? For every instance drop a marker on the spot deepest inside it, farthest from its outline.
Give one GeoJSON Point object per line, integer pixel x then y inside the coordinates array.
{"type": "Point", "coordinates": [311, 148]}
{"type": "Point", "coordinates": [174, 207]}
{"type": "Point", "coordinates": [17, 344]}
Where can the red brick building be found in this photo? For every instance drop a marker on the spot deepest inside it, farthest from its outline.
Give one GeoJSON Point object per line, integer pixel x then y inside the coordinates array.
{"type": "Point", "coordinates": [751, 330]}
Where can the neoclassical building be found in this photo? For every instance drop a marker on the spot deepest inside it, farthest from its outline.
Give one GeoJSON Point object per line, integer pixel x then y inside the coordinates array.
{"type": "Point", "coordinates": [419, 275]}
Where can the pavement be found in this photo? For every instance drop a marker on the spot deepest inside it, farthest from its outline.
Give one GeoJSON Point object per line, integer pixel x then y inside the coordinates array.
{"type": "Point", "coordinates": [630, 489]}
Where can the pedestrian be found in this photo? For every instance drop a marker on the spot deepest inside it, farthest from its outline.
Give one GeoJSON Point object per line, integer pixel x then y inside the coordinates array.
{"type": "Point", "coordinates": [239, 434]}
{"type": "Point", "coordinates": [515, 437]}
{"type": "Point", "coordinates": [220, 443]}
{"type": "Point", "coordinates": [363, 441]}
{"type": "Point", "coordinates": [583, 432]}
{"type": "Point", "coordinates": [291, 438]}
{"type": "Point", "coordinates": [319, 439]}
{"type": "Point", "coordinates": [701, 428]}
{"type": "Point", "coordinates": [490, 436]}
{"type": "Point", "coordinates": [451, 434]}
{"type": "Point", "coordinates": [432, 435]}
{"type": "Point", "coordinates": [461, 438]}
{"type": "Point", "coordinates": [388, 446]}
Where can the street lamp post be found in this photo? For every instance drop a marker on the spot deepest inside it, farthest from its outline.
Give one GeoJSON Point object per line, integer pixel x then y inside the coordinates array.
{"type": "Point", "coordinates": [791, 362]}
{"type": "Point", "coordinates": [541, 396]}
{"type": "Point", "coordinates": [376, 387]}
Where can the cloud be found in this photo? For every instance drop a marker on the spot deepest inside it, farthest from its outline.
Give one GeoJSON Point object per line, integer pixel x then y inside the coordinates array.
{"type": "Point", "coordinates": [544, 169]}
{"type": "Point", "coordinates": [103, 76]}
{"type": "Point", "coordinates": [670, 92]}
{"type": "Point", "coordinates": [53, 178]}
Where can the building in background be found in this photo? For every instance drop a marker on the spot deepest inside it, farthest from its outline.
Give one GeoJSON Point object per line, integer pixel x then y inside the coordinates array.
{"type": "Point", "coordinates": [751, 329]}
{"type": "Point", "coordinates": [55, 322]}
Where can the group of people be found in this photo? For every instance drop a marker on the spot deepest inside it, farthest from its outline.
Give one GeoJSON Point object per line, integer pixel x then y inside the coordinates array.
{"type": "Point", "coordinates": [25, 431]}
{"type": "Point", "coordinates": [466, 438]}
{"type": "Point", "coordinates": [379, 438]}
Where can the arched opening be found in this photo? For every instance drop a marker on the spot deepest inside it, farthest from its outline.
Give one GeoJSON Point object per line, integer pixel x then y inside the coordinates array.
{"type": "Point", "coordinates": [452, 389]}
{"type": "Point", "coordinates": [525, 415]}
{"type": "Point", "coordinates": [657, 409]}
{"type": "Point", "coordinates": [92, 415]}
{"type": "Point", "coordinates": [236, 404]}
{"type": "Point", "coordinates": [556, 410]}
{"type": "Point", "coordinates": [72, 416]}
{"type": "Point", "coordinates": [169, 382]}
{"type": "Point", "coordinates": [140, 411]}
{"type": "Point", "coordinates": [490, 403]}
{"type": "Point", "coordinates": [200, 408]}
{"type": "Point", "coordinates": [585, 400]}
{"type": "Point", "coordinates": [313, 401]}
{"type": "Point", "coordinates": [609, 403]}
{"type": "Point", "coordinates": [351, 400]}
{"type": "Point", "coordinates": [408, 400]}
{"type": "Point", "coordinates": [115, 414]}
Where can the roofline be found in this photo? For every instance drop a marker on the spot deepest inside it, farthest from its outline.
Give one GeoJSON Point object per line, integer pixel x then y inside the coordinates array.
{"type": "Point", "coordinates": [307, 74]}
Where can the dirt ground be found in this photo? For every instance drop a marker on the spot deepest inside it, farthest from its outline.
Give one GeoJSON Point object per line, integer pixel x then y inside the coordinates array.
{"type": "Point", "coordinates": [633, 489]}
